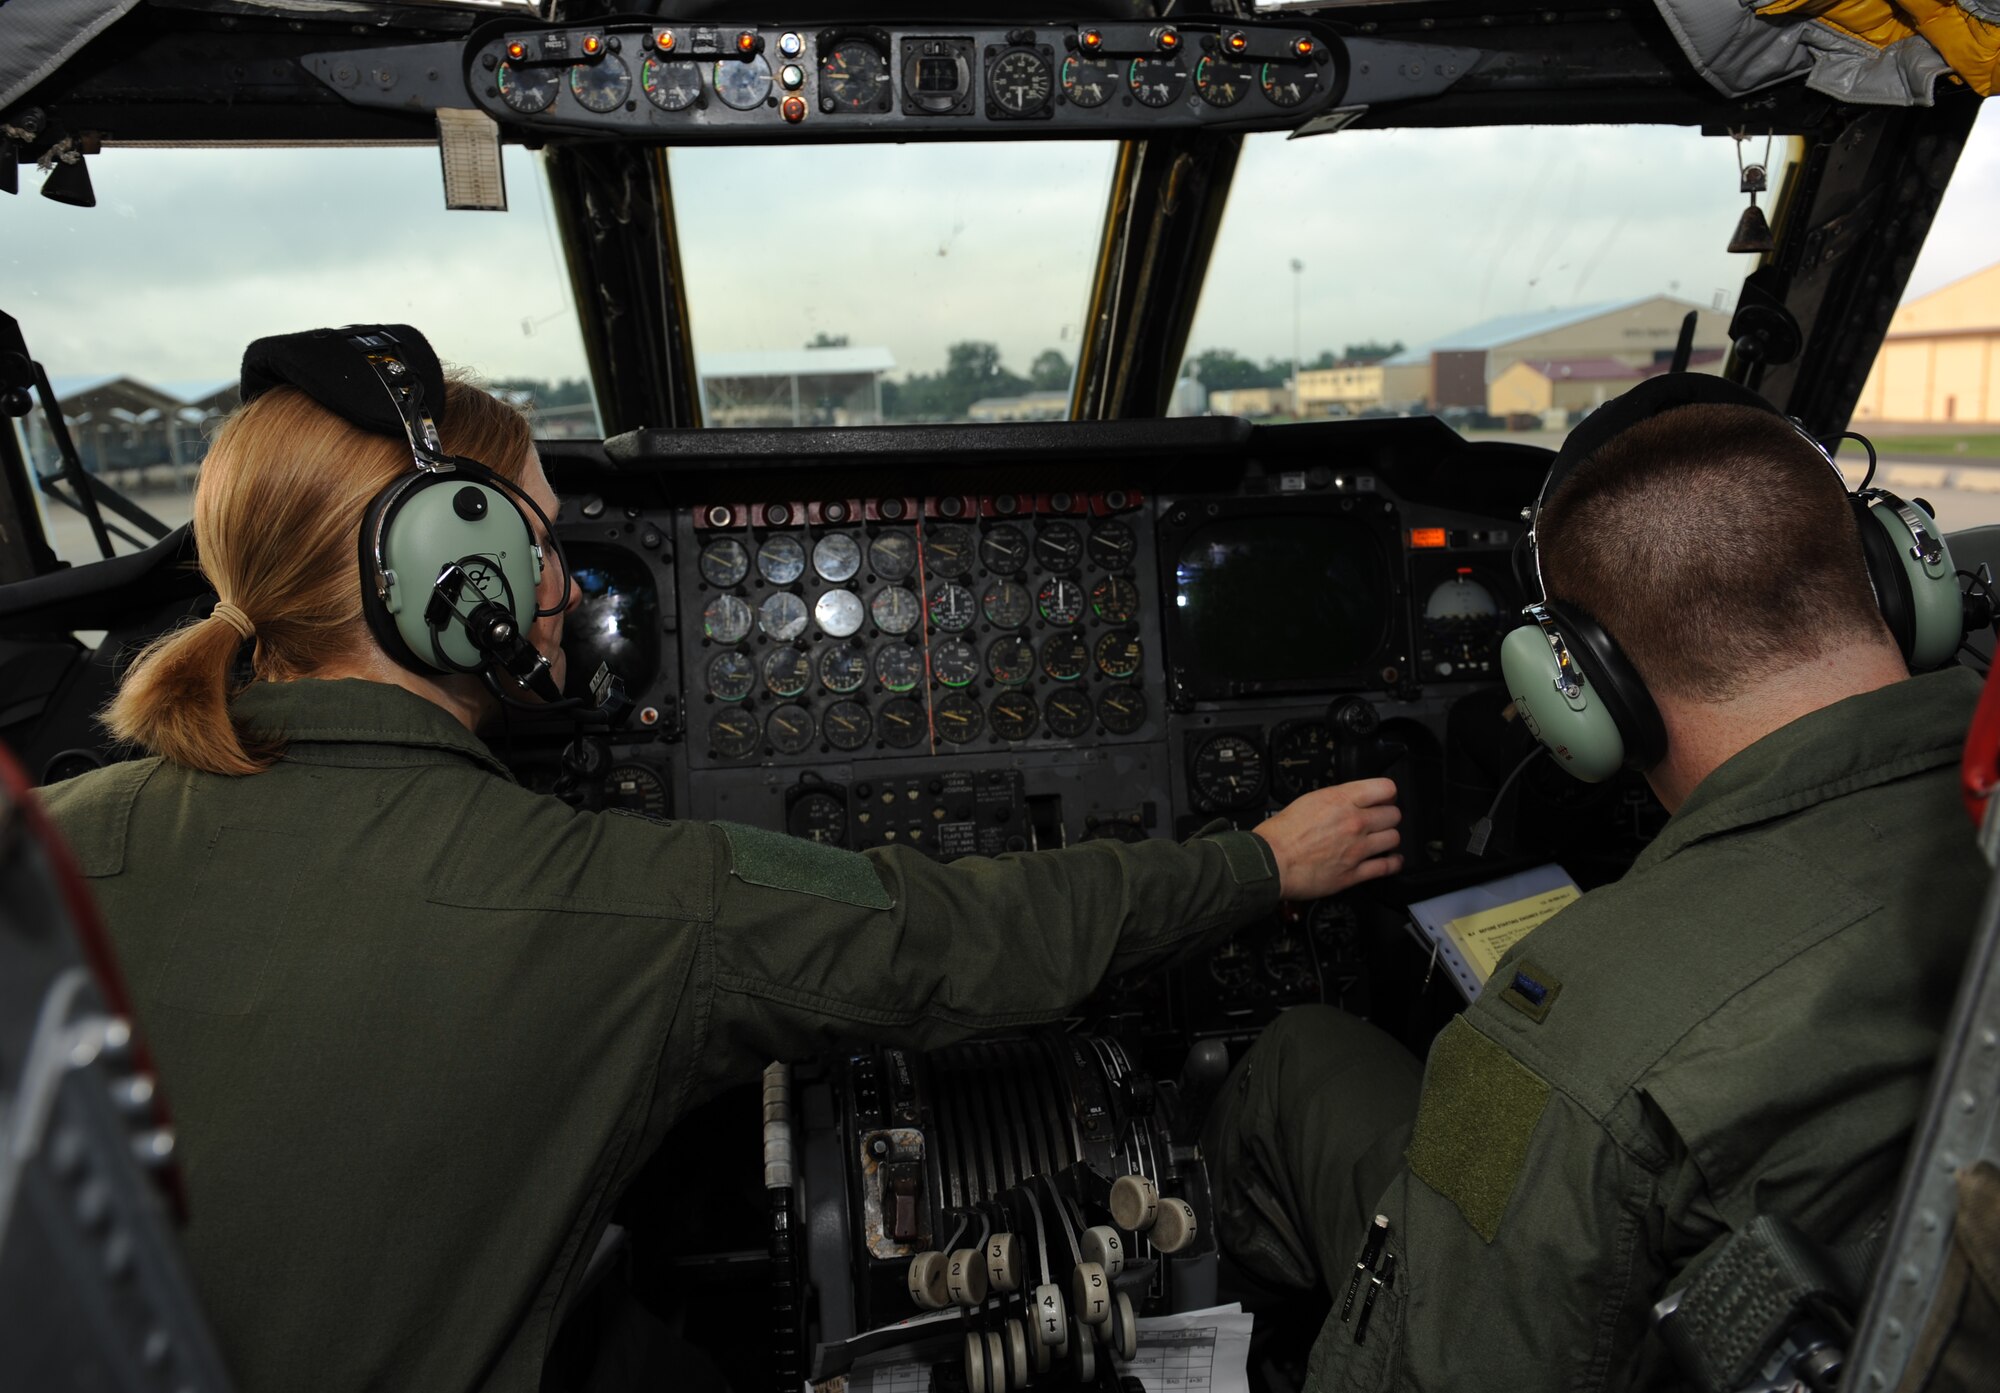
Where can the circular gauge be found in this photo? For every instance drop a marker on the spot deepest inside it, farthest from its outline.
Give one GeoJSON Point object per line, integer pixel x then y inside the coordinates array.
{"type": "Point", "coordinates": [893, 555]}
{"type": "Point", "coordinates": [1069, 713]}
{"type": "Point", "coordinates": [1301, 758]}
{"type": "Point", "coordinates": [781, 560]}
{"type": "Point", "coordinates": [1065, 657]}
{"type": "Point", "coordinates": [1014, 715]}
{"type": "Point", "coordinates": [1288, 84]}
{"type": "Point", "coordinates": [843, 669]}
{"type": "Point", "coordinates": [846, 725]}
{"type": "Point", "coordinates": [635, 788]}
{"type": "Point", "coordinates": [1459, 599]}
{"type": "Point", "coordinates": [1115, 600]}
{"type": "Point", "coordinates": [902, 723]}
{"type": "Point", "coordinates": [724, 563]}
{"type": "Point", "coordinates": [899, 667]}
{"type": "Point", "coordinates": [1122, 709]}
{"type": "Point", "coordinates": [1229, 772]}
{"type": "Point", "coordinates": [1224, 81]}
{"type": "Point", "coordinates": [731, 675]}
{"type": "Point", "coordinates": [1232, 966]}
{"type": "Point", "coordinates": [783, 616]}
{"type": "Point", "coordinates": [854, 76]}
{"type": "Point", "coordinates": [1060, 600]}
{"type": "Point", "coordinates": [1156, 81]}
{"type": "Point", "coordinates": [1007, 604]}
{"type": "Point", "coordinates": [949, 550]}
{"type": "Point", "coordinates": [726, 620]}
{"type": "Point", "coordinates": [789, 729]}
{"type": "Point", "coordinates": [837, 557]}
{"type": "Point", "coordinates": [1059, 547]}
{"type": "Point", "coordinates": [1089, 82]}
{"type": "Point", "coordinates": [1020, 82]}
{"type": "Point", "coordinates": [954, 663]}
{"type": "Point", "coordinates": [959, 718]}
{"type": "Point", "coordinates": [743, 85]}
{"type": "Point", "coordinates": [952, 608]}
{"type": "Point", "coordinates": [528, 90]}
{"type": "Point", "coordinates": [670, 84]}
{"type": "Point", "coordinates": [734, 733]}
{"type": "Point", "coordinates": [840, 613]}
{"type": "Point", "coordinates": [1011, 659]}
{"type": "Point", "coordinates": [820, 817]}
{"type": "Point", "coordinates": [600, 86]}
{"type": "Point", "coordinates": [1113, 546]}
{"type": "Point", "coordinates": [895, 610]}
{"type": "Point", "coordinates": [1119, 654]}
{"type": "Point", "coordinates": [1004, 550]}
{"type": "Point", "coordinates": [788, 671]}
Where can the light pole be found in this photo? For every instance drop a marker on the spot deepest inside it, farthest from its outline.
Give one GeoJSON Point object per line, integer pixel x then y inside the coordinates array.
{"type": "Point", "coordinates": [1298, 280]}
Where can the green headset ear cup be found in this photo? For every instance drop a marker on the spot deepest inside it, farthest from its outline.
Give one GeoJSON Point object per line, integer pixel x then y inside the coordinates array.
{"type": "Point", "coordinates": [1886, 574]}
{"type": "Point", "coordinates": [1623, 695]}
{"type": "Point", "coordinates": [1927, 619]}
{"type": "Point", "coordinates": [1579, 731]}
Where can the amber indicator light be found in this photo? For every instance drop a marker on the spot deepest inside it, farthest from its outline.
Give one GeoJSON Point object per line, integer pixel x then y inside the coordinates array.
{"type": "Point", "coordinates": [1303, 47]}
{"type": "Point", "coordinates": [517, 50]}
{"type": "Point", "coordinates": [746, 42]}
{"type": "Point", "coordinates": [592, 44]}
{"type": "Point", "coordinates": [664, 41]}
{"type": "Point", "coordinates": [1238, 41]}
{"type": "Point", "coordinates": [1426, 537]}
{"type": "Point", "coordinates": [1091, 39]}
{"type": "Point", "coordinates": [1170, 39]}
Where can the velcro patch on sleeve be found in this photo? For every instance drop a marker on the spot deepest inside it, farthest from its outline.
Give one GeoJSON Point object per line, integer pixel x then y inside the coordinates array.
{"type": "Point", "coordinates": [1475, 1122]}
{"type": "Point", "coordinates": [779, 862]}
{"type": "Point", "coordinates": [1528, 989]}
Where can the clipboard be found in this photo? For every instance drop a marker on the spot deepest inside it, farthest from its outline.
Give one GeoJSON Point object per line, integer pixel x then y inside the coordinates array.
{"type": "Point", "coordinates": [1469, 930]}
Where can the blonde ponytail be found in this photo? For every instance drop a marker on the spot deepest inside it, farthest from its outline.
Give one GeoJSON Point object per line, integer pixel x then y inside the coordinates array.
{"type": "Point", "coordinates": [175, 701]}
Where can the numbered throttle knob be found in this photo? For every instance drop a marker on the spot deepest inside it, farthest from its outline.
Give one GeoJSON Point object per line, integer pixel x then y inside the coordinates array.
{"type": "Point", "coordinates": [1173, 1225]}
{"type": "Point", "coordinates": [965, 1278]}
{"type": "Point", "coordinates": [1003, 1261]}
{"type": "Point", "coordinates": [1134, 1202]}
{"type": "Point", "coordinates": [927, 1281]}
{"type": "Point", "coordinates": [1051, 1319]}
{"type": "Point", "coordinates": [1091, 1290]}
{"type": "Point", "coordinates": [1103, 1246]}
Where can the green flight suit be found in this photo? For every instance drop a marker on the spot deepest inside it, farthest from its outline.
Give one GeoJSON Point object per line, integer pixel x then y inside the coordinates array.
{"type": "Point", "coordinates": [1744, 1024]}
{"type": "Point", "coordinates": [419, 1026]}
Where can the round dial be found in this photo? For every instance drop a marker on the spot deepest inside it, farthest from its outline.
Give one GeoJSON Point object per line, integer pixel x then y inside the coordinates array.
{"type": "Point", "coordinates": [1229, 772]}
{"type": "Point", "coordinates": [1119, 654]}
{"type": "Point", "coordinates": [952, 608]}
{"type": "Point", "coordinates": [726, 620]}
{"type": "Point", "coordinates": [837, 557]}
{"type": "Point", "coordinates": [854, 76]}
{"type": "Point", "coordinates": [789, 729]}
{"type": "Point", "coordinates": [734, 733]}
{"type": "Point", "coordinates": [893, 555]}
{"type": "Point", "coordinates": [1113, 546]}
{"type": "Point", "coordinates": [1232, 965]}
{"type": "Point", "coordinates": [1288, 84]}
{"type": "Point", "coordinates": [1122, 709]}
{"type": "Point", "coordinates": [846, 725]}
{"type": "Point", "coordinates": [1020, 82]}
{"type": "Point", "coordinates": [783, 616]}
{"type": "Point", "coordinates": [635, 788]}
{"type": "Point", "coordinates": [895, 609]}
{"type": "Point", "coordinates": [670, 84]}
{"type": "Point", "coordinates": [1014, 715]}
{"type": "Point", "coordinates": [959, 718]}
{"type": "Point", "coordinates": [902, 723]}
{"type": "Point", "coordinates": [1007, 604]}
{"type": "Point", "coordinates": [724, 562]}
{"type": "Point", "coordinates": [1301, 758]}
{"type": "Point", "coordinates": [1058, 547]}
{"type": "Point", "coordinates": [820, 817]}
{"type": "Point", "coordinates": [781, 560]}
{"type": "Point", "coordinates": [1458, 600]}
{"type": "Point", "coordinates": [1115, 600]}
{"type": "Point", "coordinates": [1224, 81]}
{"type": "Point", "coordinates": [843, 669]}
{"type": "Point", "coordinates": [899, 667]}
{"type": "Point", "coordinates": [949, 551]}
{"type": "Point", "coordinates": [788, 671]}
{"type": "Point", "coordinates": [1069, 713]}
{"type": "Point", "coordinates": [1157, 81]}
{"type": "Point", "coordinates": [743, 85]}
{"type": "Point", "coordinates": [731, 675]}
{"type": "Point", "coordinates": [1004, 550]}
{"type": "Point", "coordinates": [602, 85]}
{"type": "Point", "coordinates": [1011, 659]}
{"type": "Point", "coordinates": [1065, 657]}
{"type": "Point", "coordinates": [528, 90]}
{"type": "Point", "coordinates": [1060, 600]}
{"type": "Point", "coordinates": [1089, 81]}
{"type": "Point", "coordinates": [840, 613]}
{"type": "Point", "coordinates": [954, 663]}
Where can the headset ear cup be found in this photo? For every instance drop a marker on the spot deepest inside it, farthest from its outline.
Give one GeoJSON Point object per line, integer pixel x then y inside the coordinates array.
{"type": "Point", "coordinates": [1886, 574]}
{"type": "Point", "coordinates": [374, 608]}
{"type": "Point", "coordinates": [1625, 697]}
{"type": "Point", "coordinates": [1578, 730]}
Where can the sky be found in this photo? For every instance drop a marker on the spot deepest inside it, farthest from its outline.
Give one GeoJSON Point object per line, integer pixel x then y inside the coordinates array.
{"type": "Point", "coordinates": [1404, 235]}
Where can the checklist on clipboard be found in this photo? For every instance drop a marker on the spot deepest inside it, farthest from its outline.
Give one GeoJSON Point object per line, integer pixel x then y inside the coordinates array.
{"type": "Point", "coordinates": [1469, 930]}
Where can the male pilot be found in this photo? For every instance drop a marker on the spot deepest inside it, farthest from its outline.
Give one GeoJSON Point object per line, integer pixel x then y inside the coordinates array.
{"type": "Point", "coordinates": [1743, 1026]}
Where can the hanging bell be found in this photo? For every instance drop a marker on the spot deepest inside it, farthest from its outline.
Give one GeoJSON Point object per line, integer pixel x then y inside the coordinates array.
{"type": "Point", "coordinates": [1753, 232]}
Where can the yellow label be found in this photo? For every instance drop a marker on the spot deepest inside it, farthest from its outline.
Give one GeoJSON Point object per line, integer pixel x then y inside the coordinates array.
{"type": "Point", "coordinates": [1482, 938]}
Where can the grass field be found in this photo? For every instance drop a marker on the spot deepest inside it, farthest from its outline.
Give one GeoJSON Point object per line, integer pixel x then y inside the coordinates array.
{"type": "Point", "coordinates": [1971, 446]}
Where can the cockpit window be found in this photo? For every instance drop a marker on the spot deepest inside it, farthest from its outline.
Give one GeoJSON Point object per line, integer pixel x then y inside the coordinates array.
{"type": "Point", "coordinates": [852, 285]}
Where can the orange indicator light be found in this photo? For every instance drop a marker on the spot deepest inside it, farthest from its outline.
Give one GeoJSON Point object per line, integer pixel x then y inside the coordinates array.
{"type": "Point", "coordinates": [1170, 39]}
{"type": "Point", "coordinates": [1465, 570]}
{"type": "Point", "coordinates": [746, 42]}
{"type": "Point", "coordinates": [1427, 537]}
{"type": "Point", "coordinates": [664, 41]}
{"type": "Point", "coordinates": [1238, 41]}
{"type": "Point", "coordinates": [517, 50]}
{"type": "Point", "coordinates": [794, 108]}
{"type": "Point", "coordinates": [592, 44]}
{"type": "Point", "coordinates": [1091, 39]}
{"type": "Point", "coordinates": [1303, 47]}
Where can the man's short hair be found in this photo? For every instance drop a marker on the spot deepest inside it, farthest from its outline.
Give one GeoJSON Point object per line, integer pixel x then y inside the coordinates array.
{"type": "Point", "coordinates": [1714, 544]}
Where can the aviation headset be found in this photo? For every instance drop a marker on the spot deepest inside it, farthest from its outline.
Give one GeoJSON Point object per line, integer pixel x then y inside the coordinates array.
{"type": "Point", "coordinates": [1577, 691]}
{"type": "Point", "coordinates": [449, 564]}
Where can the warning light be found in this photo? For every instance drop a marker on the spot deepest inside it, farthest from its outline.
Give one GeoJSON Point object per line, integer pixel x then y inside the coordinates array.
{"type": "Point", "coordinates": [664, 41]}
{"type": "Point", "coordinates": [1427, 537]}
{"type": "Point", "coordinates": [593, 45]}
{"type": "Point", "coordinates": [517, 50]}
{"type": "Point", "coordinates": [1465, 570]}
{"type": "Point", "coordinates": [746, 42]}
{"type": "Point", "coordinates": [1091, 39]}
{"type": "Point", "coordinates": [1170, 39]}
{"type": "Point", "coordinates": [1238, 41]}
{"type": "Point", "coordinates": [1303, 47]}
{"type": "Point", "coordinates": [794, 109]}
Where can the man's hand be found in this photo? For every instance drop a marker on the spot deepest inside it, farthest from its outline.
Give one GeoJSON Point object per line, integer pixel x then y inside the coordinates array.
{"type": "Point", "coordinates": [1335, 837]}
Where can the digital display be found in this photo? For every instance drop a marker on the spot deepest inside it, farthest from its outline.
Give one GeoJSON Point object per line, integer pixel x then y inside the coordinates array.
{"type": "Point", "coordinates": [1293, 601]}
{"type": "Point", "coordinates": [937, 75]}
{"type": "Point", "coordinates": [617, 622]}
